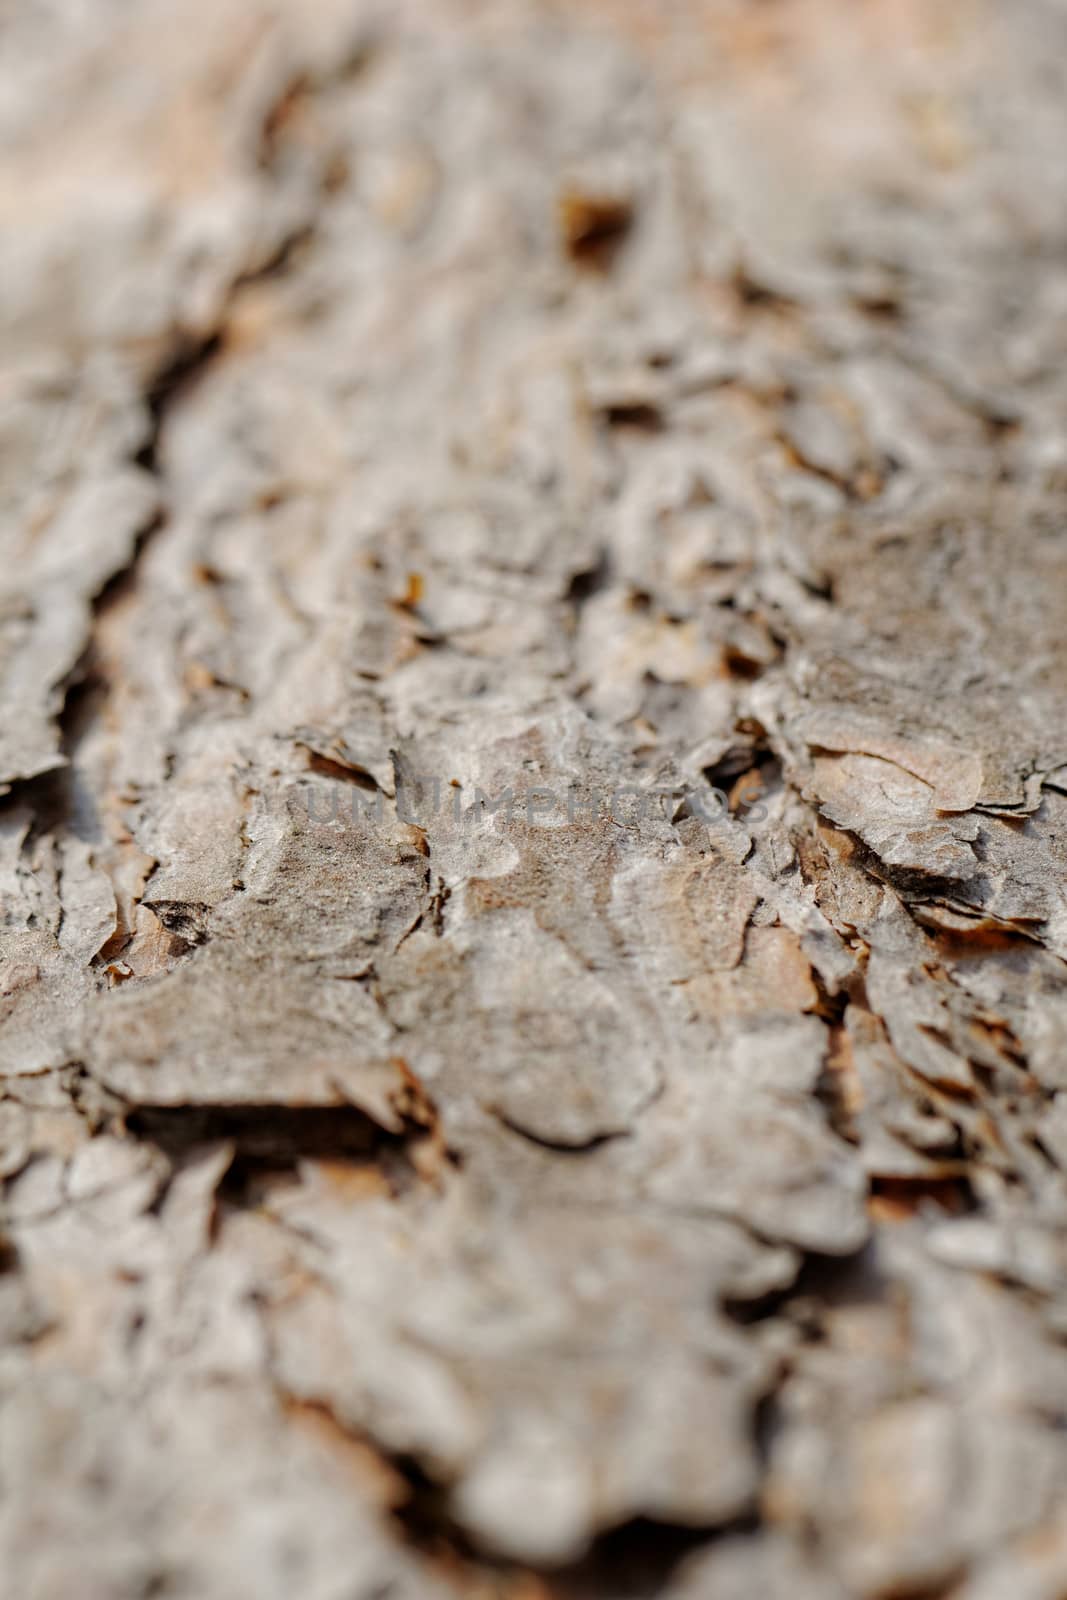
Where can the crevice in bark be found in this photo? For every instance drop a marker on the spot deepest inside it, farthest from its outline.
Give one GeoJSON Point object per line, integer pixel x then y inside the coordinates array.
{"type": "Point", "coordinates": [275, 1133]}
{"type": "Point", "coordinates": [750, 753]}
{"type": "Point", "coordinates": [594, 227]}
{"type": "Point", "coordinates": [829, 1090]}
{"type": "Point", "coordinates": [901, 1197]}
{"type": "Point", "coordinates": [297, 95]}
{"type": "Point", "coordinates": [557, 1146]}
{"type": "Point", "coordinates": [822, 1281]}
{"type": "Point", "coordinates": [53, 796]}
{"type": "Point", "coordinates": [638, 1558]}
{"type": "Point", "coordinates": [176, 376]}
{"type": "Point", "coordinates": [636, 414]}
{"type": "Point", "coordinates": [271, 1141]}
{"type": "Point", "coordinates": [632, 1561]}
{"type": "Point", "coordinates": [186, 920]}
{"type": "Point", "coordinates": [340, 771]}
{"type": "Point", "coordinates": [589, 581]}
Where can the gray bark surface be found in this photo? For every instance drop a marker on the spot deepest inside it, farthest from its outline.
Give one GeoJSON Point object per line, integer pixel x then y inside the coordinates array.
{"type": "Point", "coordinates": [404, 1192]}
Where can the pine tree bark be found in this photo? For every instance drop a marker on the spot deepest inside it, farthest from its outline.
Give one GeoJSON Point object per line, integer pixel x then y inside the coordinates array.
{"type": "Point", "coordinates": [533, 800]}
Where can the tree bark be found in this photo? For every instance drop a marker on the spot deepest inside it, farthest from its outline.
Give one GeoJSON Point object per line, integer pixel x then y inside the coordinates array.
{"type": "Point", "coordinates": [533, 756]}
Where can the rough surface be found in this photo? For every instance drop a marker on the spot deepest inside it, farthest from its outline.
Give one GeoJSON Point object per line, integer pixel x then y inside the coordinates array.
{"type": "Point", "coordinates": [410, 1191]}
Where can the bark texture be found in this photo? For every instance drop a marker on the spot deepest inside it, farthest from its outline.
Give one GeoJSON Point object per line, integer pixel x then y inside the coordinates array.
{"type": "Point", "coordinates": [411, 1194]}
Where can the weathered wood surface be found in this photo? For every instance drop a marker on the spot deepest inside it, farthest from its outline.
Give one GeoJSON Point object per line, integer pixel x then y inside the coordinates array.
{"type": "Point", "coordinates": [598, 1198]}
